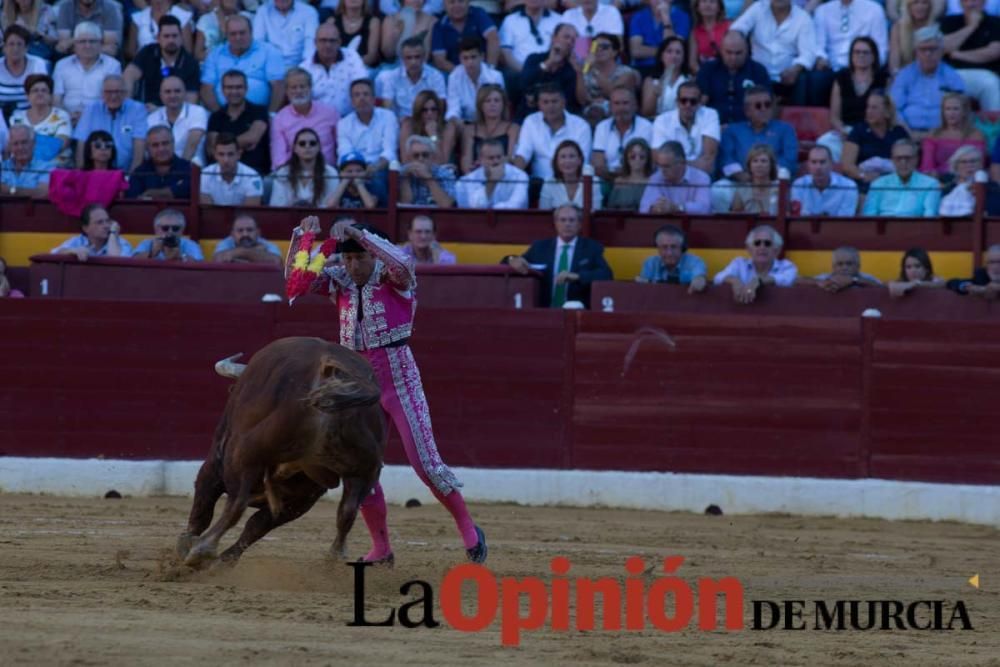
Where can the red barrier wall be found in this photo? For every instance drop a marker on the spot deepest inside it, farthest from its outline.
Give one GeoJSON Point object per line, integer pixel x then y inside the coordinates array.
{"type": "Point", "coordinates": [742, 394]}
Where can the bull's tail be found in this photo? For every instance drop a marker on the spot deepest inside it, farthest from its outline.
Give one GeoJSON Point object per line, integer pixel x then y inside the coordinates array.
{"type": "Point", "coordinates": [273, 499]}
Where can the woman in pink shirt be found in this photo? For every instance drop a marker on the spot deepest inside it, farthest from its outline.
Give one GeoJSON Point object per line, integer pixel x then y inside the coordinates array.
{"type": "Point", "coordinates": [710, 26]}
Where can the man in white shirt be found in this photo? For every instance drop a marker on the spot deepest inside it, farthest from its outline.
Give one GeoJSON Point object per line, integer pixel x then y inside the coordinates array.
{"type": "Point", "coordinates": [229, 182]}
{"type": "Point", "coordinates": [371, 131]}
{"type": "Point", "coordinates": [692, 125]}
{"type": "Point", "coordinates": [496, 184]}
{"type": "Point", "coordinates": [188, 122]}
{"type": "Point", "coordinates": [823, 191]}
{"type": "Point", "coordinates": [526, 30]}
{"type": "Point", "coordinates": [543, 130]}
{"type": "Point", "coordinates": [287, 25]}
{"type": "Point", "coordinates": [78, 78]}
{"type": "Point", "coordinates": [333, 69]}
{"type": "Point", "coordinates": [783, 40]}
{"type": "Point", "coordinates": [591, 18]}
{"type": "Point", "coordinates": [746, 275]}
{"type": "Point", "coordinates": [464, 82]}
{"type": "Point", "coordinates": [612, 134]}
{"type": "Point", "coordinates": [399, 86]}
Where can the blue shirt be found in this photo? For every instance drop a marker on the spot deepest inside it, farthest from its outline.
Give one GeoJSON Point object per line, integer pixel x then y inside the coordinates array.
{"type": "Point", "coordinates": [689, 268]}
{"type": "Point", "coordinates": [189, 250]}
{"type": "Point", "coordinates": [739, 138]}
{"type": "Point", "coordinates": [34, 174]}
{"type": "Point", "coordinates": [81, 241]}
{"type": "Point", "coordinates": [839, 199]}
{"type": "Point", "coordinates": [644, 25]}
{"type": "Point", "coordinates": [918, 96]}
{"type": "Point", "coordinates": [178, 179]}
{"type": "Point", "coordinates": [125, 125]}
{"type": "Point", "coordinates": [445, 37]}
{"type": "Point", "coordinates": [229, 244]}
{"type": "Point", "coordinates": [725, 89]}
{"type": "Point", "coordinates": [262, 63]}
{"type": "Point", "coordinates": [920, 198]}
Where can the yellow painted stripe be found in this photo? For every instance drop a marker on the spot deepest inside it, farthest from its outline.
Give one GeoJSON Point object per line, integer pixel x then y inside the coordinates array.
{"type": "Point", "coordinates": [17, 247]}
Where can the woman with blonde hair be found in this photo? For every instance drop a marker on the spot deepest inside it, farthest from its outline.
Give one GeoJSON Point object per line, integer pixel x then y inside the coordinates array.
{"type": "Point", "coordinates": [760, 195]}
{"type": "Point", "coordinates": [916, 14]}
{"type": "Point", "coordinates": [492, 122]}
{"type": "Point", "coordinates": [869, 145]}
{"type": "Point", "coordinates": [427, 120]}
{"type": "Point", "coordinates": [956, 130]}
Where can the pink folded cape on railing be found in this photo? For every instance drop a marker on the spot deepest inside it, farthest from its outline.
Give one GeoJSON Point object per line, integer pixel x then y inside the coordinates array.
{"type": "Point", "coordinates": [72, 189]}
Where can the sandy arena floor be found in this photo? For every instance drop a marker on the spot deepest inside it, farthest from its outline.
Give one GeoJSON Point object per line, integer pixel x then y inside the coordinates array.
{"type": "Point", "coordinates": [91, 582]}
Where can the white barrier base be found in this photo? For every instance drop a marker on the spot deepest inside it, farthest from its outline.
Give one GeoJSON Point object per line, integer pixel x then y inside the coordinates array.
{"type": "Point", "coordinates": [875, 498]}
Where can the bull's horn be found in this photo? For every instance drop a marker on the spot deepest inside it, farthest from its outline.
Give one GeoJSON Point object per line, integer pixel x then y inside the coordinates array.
{"type": "Point", "coordinates": [227, 368]}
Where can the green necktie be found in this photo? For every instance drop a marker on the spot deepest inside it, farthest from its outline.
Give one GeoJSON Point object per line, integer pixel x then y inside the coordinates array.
{"type": "Point", "coordinates": [559, 297]}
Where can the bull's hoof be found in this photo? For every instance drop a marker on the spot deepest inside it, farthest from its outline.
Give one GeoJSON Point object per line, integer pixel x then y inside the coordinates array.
{"type": "Point", "coordinates": [184, 543]}
{"type": "Point", "coordinates": [199, 555]}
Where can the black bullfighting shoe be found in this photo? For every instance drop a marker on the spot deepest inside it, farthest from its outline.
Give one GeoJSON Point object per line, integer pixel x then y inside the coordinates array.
{"type": "Point", "coordinates": [477, 554]}
{"type": "Point", "coordinates": [388, 561]}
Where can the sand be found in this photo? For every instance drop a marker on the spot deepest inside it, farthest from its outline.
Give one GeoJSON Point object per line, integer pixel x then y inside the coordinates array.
{"type": "Point", "coordinates": [94, 581]}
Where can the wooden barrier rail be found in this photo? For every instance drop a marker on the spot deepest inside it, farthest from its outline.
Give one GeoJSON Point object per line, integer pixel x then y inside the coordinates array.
{"type": "Point", "coordinates": [754, 395]}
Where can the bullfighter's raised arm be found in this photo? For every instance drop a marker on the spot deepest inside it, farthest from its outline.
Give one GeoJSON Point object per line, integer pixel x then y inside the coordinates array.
{"type": "Point", "coordinates": [399, 268]}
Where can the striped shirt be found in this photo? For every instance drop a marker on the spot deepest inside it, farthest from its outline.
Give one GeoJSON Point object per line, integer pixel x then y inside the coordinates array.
{"type": "Point", "coordinates": [12, 87]}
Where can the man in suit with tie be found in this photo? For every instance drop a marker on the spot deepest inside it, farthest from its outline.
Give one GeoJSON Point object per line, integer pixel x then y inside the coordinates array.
{"type": "Point", "coordinates": [571, 262]}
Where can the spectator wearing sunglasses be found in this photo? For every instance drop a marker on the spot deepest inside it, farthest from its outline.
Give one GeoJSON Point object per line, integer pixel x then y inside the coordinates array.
{"type": "Point", "coordinates": [590, 18]}
{"type": "Point", "coordinates": [306, 179]}
{"type": "Point", "coordinates": [739, 138]}
{"type": "Point", "coordinates": [525, 31]}
{"type": "Point", "coordinates": [169, 243]}
{"type": "Point", "coordinates": [423, 183]}
{"type": "Point", "coordinates": [783, 39]}
{"type": "Point", "coordinates": [746, 275]}
{"type": "Point", "coordinates": [166, 57]}
{"type": "Point", "coordinates": [303, 111]}
{"type": "Point", "coordinates": [693, 125]}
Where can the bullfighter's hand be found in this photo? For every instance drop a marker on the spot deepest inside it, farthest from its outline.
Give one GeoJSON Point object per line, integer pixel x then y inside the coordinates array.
{"type": "Point", "coordinates": [309, 224]}
{"type": "Point", "coordinates": [344, 229]}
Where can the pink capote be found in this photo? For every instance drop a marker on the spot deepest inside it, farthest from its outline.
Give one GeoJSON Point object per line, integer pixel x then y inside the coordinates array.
{"type": "Point", "coordinates": [73, 189]}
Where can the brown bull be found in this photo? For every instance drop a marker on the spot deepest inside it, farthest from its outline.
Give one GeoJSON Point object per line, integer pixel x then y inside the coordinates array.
{"type": "Point", "coordinates": [303, 417]}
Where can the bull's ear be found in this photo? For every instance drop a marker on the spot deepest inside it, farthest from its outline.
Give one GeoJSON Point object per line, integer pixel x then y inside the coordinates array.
{"type": "Point", "coordinates": [327, 368]}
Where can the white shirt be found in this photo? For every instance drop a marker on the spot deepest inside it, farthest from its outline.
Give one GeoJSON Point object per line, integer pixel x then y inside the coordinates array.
{"type": "Point", "coordinates": [77, 86]}
{"type": "Point", "coordinates": [333, 87]}
{"type": "Point", "coordinates": [516, 34]}
{"type": "Point", "coordinates": [783, 272]}
{"type": "Point", "coordinates": [146, 29]}
{"type": "Point", "coordinates": [862, 18]}
{"type": "Point", "coordinates": [376, 140]}
{"type": "Point", "coordinates": [191, 117]}
{"type": "Point", "coordinates": [554, 194]}
{"type": "Point", "coordinates": [510, 192]}
{"type": "Point", "coordinates": [246, 183]}
{"type": "Point", "coordinates": [395, 86]}
{"type": "Point", "coordinates": [462, 91]}
{"type": "Point", "coordinates": [290, 33]}
{"type": "Point", "coordinates": [607, 19]}
{"type": "Point", "coordinates": [537, 143]}
{"type": "Point", "coordinates": [778, 47]}
{"type": "Point", "coordinates": [667, 127]}
{"type": "Point", "coordinates": [608, 140]}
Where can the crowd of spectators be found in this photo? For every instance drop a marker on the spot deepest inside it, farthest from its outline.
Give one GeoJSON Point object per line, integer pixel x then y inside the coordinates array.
{"type": "Point", "coordinates": [670, 106]}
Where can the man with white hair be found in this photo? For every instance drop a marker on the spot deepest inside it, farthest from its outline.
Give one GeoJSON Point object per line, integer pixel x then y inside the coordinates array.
{"type": "Point", "coordinates": [106, 15]}
{"type": "Point", "coordinates": [122, 118]}
{"type": "Point", "coordinates": [22, 173]}
{"type": "Point", "coordinates": [288, 25]}
{"type": "Point", "coordinates": [169, 244]}
{"type": "Point", "coordinates": [918, 87]}
{"type": "Point", "coordinates": [985, 281]}
{"type": "Point", "coordinates": [746, 275]}
{"type": "Point", "coordinates": [846, 272]}
{"type": "Point", "coordinates": [77, 79]}
{"type": "Point", "coordinates": [303, 112]}
{"type": "Point", "coordinates": [422, 183]}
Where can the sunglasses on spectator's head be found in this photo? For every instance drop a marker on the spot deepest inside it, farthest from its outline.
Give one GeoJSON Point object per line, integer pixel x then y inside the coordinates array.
{"type": "Point", "coordinates": [306, 143]}
{"type": "Point", "coordinates": [767, 243]}
{"type": "Point", "coordinates": [170, 228]}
